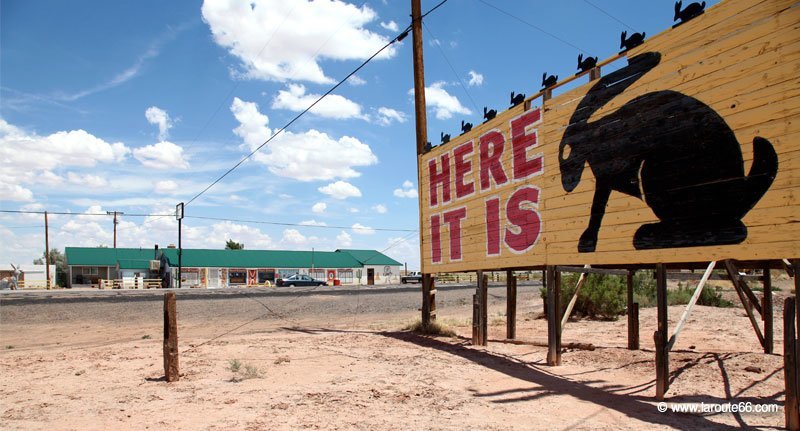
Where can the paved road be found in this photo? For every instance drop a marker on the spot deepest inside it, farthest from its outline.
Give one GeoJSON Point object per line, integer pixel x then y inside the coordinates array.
{"type": "Point", "coordinates": [128, 306]}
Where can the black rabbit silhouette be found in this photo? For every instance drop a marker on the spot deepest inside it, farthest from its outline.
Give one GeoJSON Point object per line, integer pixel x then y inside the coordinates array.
{"type": "Point", "coordinates": [587, 64]}
{"type": "Point", "coordinates": [549, 81]}
{"type": "Point", "coordinates": [692, 11]}
{"type": "Point", "coordinates": [465, 127]}
{"type": "Point", "coordinates": [635, 40]}
{"type": "Point", "coordinates": [445, 138]}
{"type": "Point", "coordinates": [672, 151]}
{"type": "Point", "coordinates": [489, 115]}
{"type": "Point", "coordinates": [517, 99]}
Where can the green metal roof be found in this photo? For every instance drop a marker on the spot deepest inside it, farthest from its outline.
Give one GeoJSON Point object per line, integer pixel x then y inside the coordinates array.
{"type": "Point", "coordinates": [370, 257]}
{"type": "Point", "coordinates": [131, 258]}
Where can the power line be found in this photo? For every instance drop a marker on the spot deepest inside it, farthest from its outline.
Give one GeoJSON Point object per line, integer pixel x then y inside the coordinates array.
{"type": "Point", "coordinates": [80, 214]}
{"type": "Point", "coordinates": [458, 77]}
{"type": "Point", "coordinates": [286, 126]}
{"type": "Point", "coordinates": [397, 38]}
{"type": "Point", "coordinates": [533, 26]}
{"type": "Point", "coordinates": [608, 14]}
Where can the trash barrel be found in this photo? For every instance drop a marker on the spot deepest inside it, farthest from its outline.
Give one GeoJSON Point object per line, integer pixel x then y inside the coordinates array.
{"type": "Point", "coordinates": [337, 282]}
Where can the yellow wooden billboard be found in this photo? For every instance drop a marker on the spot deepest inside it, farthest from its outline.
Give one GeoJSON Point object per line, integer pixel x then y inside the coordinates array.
{"type": "Point", "coordinates": [689, 152]}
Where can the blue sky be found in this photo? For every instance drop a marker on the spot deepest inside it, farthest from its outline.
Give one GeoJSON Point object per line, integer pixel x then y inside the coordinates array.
{"type": "Point", "coordinates": [136, 106]}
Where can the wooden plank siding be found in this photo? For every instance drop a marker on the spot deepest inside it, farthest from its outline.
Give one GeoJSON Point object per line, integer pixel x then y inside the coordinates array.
{"type": "Point", "coordinates": [740, 58]}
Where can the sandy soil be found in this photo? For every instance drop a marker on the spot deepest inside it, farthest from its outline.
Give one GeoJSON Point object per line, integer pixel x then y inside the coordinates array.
{"type": "Point", "coordinates": [367, 373]}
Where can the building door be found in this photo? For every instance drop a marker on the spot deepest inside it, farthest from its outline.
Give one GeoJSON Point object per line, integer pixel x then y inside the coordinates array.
{"type": "Point", "coordinates": [370, 276]}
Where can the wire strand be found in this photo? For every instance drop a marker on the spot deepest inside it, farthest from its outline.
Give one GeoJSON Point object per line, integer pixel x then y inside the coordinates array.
{"type": "Point", "coordinates": [533, 26]}
{"type": "Point", "coordinates": [608, 14]}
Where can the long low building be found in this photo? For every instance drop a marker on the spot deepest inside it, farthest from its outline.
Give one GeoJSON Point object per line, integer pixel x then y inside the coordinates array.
{"type": "Point", "coordinates": [228, 268]}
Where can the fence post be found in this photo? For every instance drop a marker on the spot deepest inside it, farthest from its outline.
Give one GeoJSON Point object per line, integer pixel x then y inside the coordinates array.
{"type": "Point", "coordinates": [170, 338]}
{"type": "Point", "coordinates": [791, 408]}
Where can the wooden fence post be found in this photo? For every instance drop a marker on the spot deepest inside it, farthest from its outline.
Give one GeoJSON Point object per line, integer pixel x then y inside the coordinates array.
{"type": "Point", "coordinates": [633, 316]}
{"type": "Point", "coordinates": [484, 295]}
{"type": "Point", "coordinates": [511, 305]}
{"type": "Point", "coordinates": [791, 408]}
{"type": "Point", "coordinates": [553, 316]}
{"type": "Point", "coordinates": [769, 337]}
{"type": "Point", "coordinates": [170, 338]}
{"type": "Point", "coordinates": [660, 336]}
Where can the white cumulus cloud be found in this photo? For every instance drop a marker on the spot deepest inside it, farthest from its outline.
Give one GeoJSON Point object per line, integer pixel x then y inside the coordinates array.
{"type": "Point", "coordinates": [391, 26]}
{"type": "Point", "coordinates": [344, 239]}
{"type": "Point", "coordinates": [279, 40]}
{"type": "Point", "coordinates": [294, 98]}
{"type": "Point", "coordinates": [319, 207]}
{"type": "Point", "coordinates": [387, 116]}
{"type": "Point", "coordinates": [443, 103]}
{"type": "Point", "coordinates": [165, 187]}
{"type": "Point", "coordinates": [163, 155]}
{"type": "Point", "coordinates": [475, 79]}
{"type": "Point", "coordinates": [341, 190]}
{"type": "Point", "coordinates": [27, 158]}
{"type": "Point", "coordinates": [362, 230]}
{"type": "Point", "coordinates": [159, 117]}
{"type": "Point", "coordinates": [306, 156]}
{"type": "Point", "coordinates": [312, 222]}
{"type": "Point", "coordinates": [406, 191]}
{"type": "Point", "coordinates": [380, 209]}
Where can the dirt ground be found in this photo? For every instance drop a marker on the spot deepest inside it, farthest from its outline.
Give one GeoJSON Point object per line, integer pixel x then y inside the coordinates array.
{"type": "Point", "coordinates": [367, 373]}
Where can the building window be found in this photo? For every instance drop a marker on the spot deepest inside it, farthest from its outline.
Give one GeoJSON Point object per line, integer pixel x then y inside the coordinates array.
{"type": "Point", "coordinates": [318, 273]}
{"type": "Point", "coordinates": [236, 276]}
{"type": "Point", "coordinates": [265, 275]}
{"type": "Point", "coordinates": [345, 275]}
{"type": "Point", "coordinates": [287, 272]}
{"type": "Point", "coordinates": [90, 270]}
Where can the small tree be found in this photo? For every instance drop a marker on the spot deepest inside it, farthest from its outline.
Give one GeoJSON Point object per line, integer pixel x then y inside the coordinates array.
{"type": "Point", "coordinates": [58, 259]}
{"type": "Point", "coordinates": [233, 245]}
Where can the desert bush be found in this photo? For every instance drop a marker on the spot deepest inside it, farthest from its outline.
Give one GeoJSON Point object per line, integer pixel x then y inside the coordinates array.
{"type": "Point", "coordinates": [710, 296]}
{"type": "Point", "coordinates": [603, 296]}
{"type": "Point", "coordinates": [234, 365]}
{"type": "Point", "coordinates": [433, 328]}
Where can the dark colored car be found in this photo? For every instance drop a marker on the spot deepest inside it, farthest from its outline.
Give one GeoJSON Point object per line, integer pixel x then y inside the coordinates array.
{"type": "Point", "coordinates": [300, 280]}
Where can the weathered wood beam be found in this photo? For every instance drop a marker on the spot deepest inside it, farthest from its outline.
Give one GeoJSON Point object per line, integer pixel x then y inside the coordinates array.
{"type": "Point", "coordinates": [589, 270]}
{"type": "Point", "coordinates": [691, 304]}
{"type": "Point", "coordinates": [171, 369]}
{"type": "Point", "coordinates": [737, 287]}
{"type": "Point", "coordinates": [768, 316]}
{"type": "Point", "coordinates": [553, 316]}
{"type": "Point", "coordinates": [511, 305]}
{"type": "Point", "coordinates": [574, 299]}
{"type": "Point", "coordinates": [660, 336]}
{"type": "Point", "coordinates": [633, 316]}
{"type": "Point", "coordinates": [790, 366]}
{"type": "Point", "coordinates": [739, 281]}
{"type": "Point", "coordinates": [484, 287]}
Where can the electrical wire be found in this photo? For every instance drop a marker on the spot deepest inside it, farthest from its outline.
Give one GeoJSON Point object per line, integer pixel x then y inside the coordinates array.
{"type": "Point", "coordinates": [297, 117]}
{"type": "Point", "coordinates": [458, 77]}
{"type": "Point", "coordinates": [533, 26]}
{"type": "Point", "coordinates": [608, 14]}
{"type": "Point", "coordinates": [81, 214]}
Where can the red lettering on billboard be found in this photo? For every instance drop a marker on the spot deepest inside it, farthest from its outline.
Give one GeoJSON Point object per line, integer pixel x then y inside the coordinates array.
{"type": "Point", "coordinates": [491, 149]}
{"type": "Point", "coordinates": [439, 177]}
{"type": "Point", "coordinates": [521, 142]}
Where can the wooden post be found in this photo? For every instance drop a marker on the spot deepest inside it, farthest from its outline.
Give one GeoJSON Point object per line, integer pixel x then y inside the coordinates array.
{"type": "Point", "coordinates": [660, 336]}
{"type": "Point", "coordinates": [574, 299]}
{"type": "Point", "coordinates": [769, 337]}
{"type": "Point", "coordinates": [419, 77]}
{"type": "Point", "coordinates": [633, 316]}
{"type": "Point", "coordinates": [791, 408]}
{"type": "Point", "coordinates": [484, 295]}
{"type": "Point", "coordinates": [553, 316]}
{"type": "Point", "coordinates": [426, 300]}
{"type": "Point", "coordinates": [170, 338]}
{"type": "Point", "coordinates": [692, 302]}
{"type": "Point", "coordinates": [741, 288]}
{"type": "Point", "coordinates": [511, 305]}
{"type": "Point", "coordinates": [476, 316]}
{"type": "Point", "coordinates": [47, 250]}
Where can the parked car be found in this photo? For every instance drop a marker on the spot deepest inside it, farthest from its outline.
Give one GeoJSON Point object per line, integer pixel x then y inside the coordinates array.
{"type": "Point", "coordinates": [412, 277]}
{"type": "Point", "coordinates": [300, 280]}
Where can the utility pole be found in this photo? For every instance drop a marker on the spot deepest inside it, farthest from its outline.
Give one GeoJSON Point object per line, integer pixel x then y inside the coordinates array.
{"type": "Point", "coordinates": [179, 216]}
{"type": "Point", "coordinates": [422, 140]}
{"type": "Point", "coordinates": [46, 250]}
{"type": "Point", "coordinates": [114, 213]}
